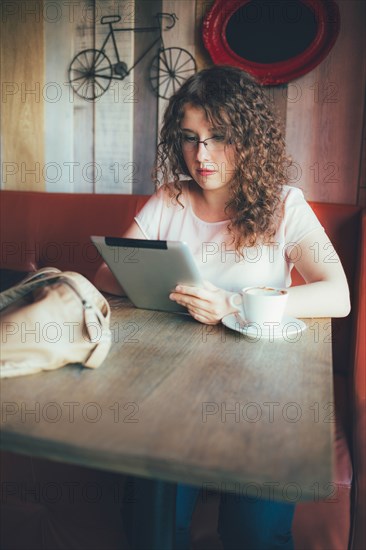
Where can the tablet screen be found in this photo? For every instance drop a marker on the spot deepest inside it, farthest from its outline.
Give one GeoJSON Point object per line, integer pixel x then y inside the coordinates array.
{"type": "Point", "coordinates": [149, 270]}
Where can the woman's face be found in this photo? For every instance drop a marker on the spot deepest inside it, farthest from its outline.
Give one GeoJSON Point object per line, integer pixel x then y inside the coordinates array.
{"type": "Point", "coordinates": [211, 166]}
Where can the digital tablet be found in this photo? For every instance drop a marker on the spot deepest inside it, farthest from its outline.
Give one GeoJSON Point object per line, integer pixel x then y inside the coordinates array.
{"type": "Point", "coordinates": [149, 270]}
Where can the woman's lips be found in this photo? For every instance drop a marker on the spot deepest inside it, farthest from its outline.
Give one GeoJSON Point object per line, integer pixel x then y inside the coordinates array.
{"type": "Point", "coordinates": [206, 172]}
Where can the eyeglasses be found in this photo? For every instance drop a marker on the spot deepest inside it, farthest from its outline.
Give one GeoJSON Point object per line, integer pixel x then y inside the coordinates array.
{"type": "Point", "coordinates": [213, 144]}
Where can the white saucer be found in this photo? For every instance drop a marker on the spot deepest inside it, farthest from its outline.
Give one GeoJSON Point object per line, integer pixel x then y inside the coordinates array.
{"type": "Point", "coordinates": [289, 329]}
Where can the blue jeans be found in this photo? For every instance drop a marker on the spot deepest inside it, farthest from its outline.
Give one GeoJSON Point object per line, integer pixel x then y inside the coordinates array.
{"type": "Point", "coordinates": [244, 523]}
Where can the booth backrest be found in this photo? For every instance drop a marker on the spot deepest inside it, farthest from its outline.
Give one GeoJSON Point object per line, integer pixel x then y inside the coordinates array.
{"type": "Point", "coordinates": [54, 229]}
{"type": "Point", "coordinates": [343, 224]}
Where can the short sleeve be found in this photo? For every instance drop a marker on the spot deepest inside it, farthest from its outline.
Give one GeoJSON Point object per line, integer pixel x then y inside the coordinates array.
{"type": "Point", "coordinates": [149, 217]}
{"type": "Point", "coordinates": [299, 218]}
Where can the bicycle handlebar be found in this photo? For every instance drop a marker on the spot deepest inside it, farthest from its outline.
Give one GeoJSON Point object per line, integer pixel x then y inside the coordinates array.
{"type": "Point", "coordinates": [172, 16]}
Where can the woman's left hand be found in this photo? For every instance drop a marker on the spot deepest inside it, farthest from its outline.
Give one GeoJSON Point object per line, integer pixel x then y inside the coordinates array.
{"type": "Point", "coordinates": [207, 305]}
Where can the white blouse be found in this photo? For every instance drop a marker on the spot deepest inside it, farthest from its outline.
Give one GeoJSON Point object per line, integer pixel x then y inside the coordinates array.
{"type": "Point", "coordinates": [210, 242]}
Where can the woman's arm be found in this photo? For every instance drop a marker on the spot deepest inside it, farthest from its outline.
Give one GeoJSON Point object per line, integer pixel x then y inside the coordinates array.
{"type": "Point", "coordinates": [326, 292]}
{"type": "Point", "coordinates": [104, 278]}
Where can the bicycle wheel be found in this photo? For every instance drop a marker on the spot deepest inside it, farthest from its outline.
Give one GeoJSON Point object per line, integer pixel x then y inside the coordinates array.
{"type": "Point", "coordinates": [169, 69]}
{"type": "Point", "coordinates": [90, 74]}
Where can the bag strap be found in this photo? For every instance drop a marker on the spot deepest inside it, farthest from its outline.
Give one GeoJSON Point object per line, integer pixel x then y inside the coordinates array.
{"type": "Point", "coordinates": [92, 317]}
{"type": "Point", "coordinates": [30, 283]}
{"type": "Point", "coordinates": [40, 273]}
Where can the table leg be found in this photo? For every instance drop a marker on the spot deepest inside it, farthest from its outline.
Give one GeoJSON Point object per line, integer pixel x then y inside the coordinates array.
{"type": "Point", "coordinates": [150, 521]}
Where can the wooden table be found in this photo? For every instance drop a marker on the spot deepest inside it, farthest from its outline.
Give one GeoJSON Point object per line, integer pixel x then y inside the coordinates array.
{"type": "Point", "coordinates": [184, 402]}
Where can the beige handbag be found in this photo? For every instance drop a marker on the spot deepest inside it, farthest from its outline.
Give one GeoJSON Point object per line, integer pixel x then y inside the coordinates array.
{"type": "Point", "coordinates": [51, 319]}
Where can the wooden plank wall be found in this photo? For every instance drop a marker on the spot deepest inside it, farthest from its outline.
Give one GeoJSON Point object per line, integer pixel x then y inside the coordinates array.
{"type": "Point", "coordinates": [22, 78]}
{"type": "Point", "coordinates": [323, 112]}
{"type": "Point", "coordinates": [115, 136]}
{"type": "Point", "coordinates": [62, 173]}
{"type": "Point", "coordinates": [113, 111]}
{"type": "Point", "coordinates": [324, 123]}
{"type": "Point", "coordinates": [81, 36]}
{"type": "Point", "coordinates": [182, 36]}
{"type": "Point", "coordinates": [146, 102]}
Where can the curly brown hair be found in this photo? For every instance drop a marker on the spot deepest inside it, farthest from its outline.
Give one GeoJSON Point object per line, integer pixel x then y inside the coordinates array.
{"type": "Point", "coordinates": [240, 109]}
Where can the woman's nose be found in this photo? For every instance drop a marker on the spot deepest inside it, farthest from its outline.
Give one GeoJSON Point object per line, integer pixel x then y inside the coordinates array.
{"type": "Point", "coordinates": [201, 152]}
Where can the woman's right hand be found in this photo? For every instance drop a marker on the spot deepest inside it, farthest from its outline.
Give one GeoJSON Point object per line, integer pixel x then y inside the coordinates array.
{"type": "Point", "coordinates": [207, 305]}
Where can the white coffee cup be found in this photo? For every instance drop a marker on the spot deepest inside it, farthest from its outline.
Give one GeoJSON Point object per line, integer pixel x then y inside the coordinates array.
{"type": "Point", "coordinates": [261, 304]}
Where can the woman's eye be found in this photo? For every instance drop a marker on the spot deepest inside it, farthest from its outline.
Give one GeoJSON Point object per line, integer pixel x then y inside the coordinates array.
{"type": "Point", "coordinates": [218, 138]}
{"type": "Point", "coordinates": [190, 139]}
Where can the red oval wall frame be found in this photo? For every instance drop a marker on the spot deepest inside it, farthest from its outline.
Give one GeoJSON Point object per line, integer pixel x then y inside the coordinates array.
{"type": "Point", "coordinates": [327, 25]}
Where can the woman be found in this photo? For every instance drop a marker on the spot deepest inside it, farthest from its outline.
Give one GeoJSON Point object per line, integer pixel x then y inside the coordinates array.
{"type": "Point", "coordinates": [221, 180]}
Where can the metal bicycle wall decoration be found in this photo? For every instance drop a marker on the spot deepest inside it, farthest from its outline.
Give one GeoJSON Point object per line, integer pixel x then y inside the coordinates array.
{"type": "Point", "coordinates": [91, 71]}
